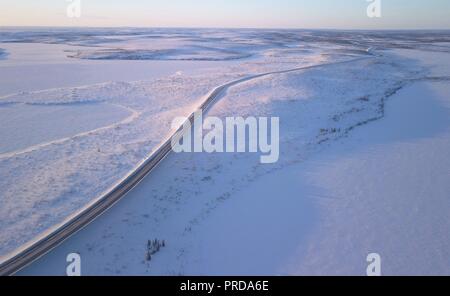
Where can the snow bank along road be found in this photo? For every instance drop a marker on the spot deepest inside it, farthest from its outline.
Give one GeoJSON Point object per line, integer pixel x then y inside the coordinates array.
{"type": "Point", "coordinates": [41, 246]}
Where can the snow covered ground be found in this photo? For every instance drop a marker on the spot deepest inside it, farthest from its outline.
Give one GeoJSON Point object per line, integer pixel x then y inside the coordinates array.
{"type": "Point", "coordinates": [71, 160]}
{"type": "Point", "coordinates": [358, 172]}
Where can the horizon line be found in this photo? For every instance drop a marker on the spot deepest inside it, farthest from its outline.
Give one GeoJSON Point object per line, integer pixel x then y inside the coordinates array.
{"type": "Point", "coordinates": [223, 28]}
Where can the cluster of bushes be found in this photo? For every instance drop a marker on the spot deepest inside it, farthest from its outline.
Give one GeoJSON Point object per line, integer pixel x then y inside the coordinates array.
{"type": "Point", "coordinates": [153, 247]}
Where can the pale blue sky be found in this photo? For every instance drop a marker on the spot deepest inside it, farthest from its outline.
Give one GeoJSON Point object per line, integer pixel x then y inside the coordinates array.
{"type": "Point", "coordinates": [339, 14]}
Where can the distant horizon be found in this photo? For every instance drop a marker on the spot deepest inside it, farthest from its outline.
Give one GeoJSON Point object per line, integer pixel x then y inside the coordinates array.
{"type": "Point", "coordinates": [220, 28]}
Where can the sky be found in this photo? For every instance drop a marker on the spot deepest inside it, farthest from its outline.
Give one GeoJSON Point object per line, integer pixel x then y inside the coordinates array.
{"type": "Point", "coordinates": [320, 14]}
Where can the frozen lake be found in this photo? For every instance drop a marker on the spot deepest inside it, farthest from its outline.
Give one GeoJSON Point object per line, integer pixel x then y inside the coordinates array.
{"type": "Point", "coordinates": [36, 66]}
{"type": "Point", "coordinates": [39, 124]}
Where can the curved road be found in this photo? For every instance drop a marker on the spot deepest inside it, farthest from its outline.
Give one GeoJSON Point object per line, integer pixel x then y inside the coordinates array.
{"type": "Point", "coordinates": [42, 246]}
